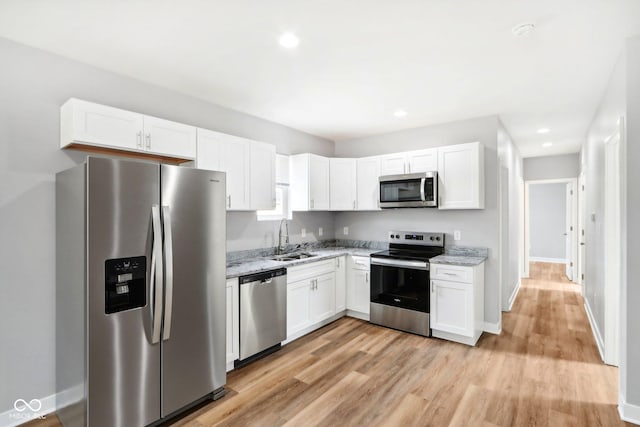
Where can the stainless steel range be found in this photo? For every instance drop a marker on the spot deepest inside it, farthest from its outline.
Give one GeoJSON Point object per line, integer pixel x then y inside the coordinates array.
{"type": "Point", "coordinates": [400, 281]}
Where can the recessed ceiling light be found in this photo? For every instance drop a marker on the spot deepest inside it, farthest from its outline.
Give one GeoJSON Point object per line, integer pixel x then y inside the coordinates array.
{"type": "Point", "coordinates": [544, 130]}
{"type": "Point", "coordinates": [523, 30]}
{"type": "Point", "coordinates": [400, 113]}
{"type": "Point", "coordinates": [289, 40]}
{"type": "Point", "coordinates": [547, 144]}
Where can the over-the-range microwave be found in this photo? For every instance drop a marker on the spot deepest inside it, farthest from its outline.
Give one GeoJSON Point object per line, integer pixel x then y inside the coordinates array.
{"type": "Point", "coordinates": [411, 190]}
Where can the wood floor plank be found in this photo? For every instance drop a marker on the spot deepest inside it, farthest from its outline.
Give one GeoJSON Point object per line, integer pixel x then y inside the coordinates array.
{"type": "Point", "coordinates": [543, 370]}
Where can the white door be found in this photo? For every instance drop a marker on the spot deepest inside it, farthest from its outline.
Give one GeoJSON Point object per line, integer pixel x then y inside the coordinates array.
{"type": "Point", "coordinates": [358, 295]}
{"type": "Point", "coordinates": [323, 297]}
{"type": "Point", "coordinates": [209, 150]}
{"type": "Point", "coordinates": [368, 186]}
{"type": "Point", "coordinates": [318, 183]}
{"type": "Point", "coordinates": [568, 234]}
{"type": "Point", "coordinates": [298, 306]}
{"type": "Point", "coordinates": [97, 124]}
{"type": "Point", "coordinates": [582, 215]}
{"type": "Point", "coordinates": [341, 283]}
{"type": "Point", "coordinates": [233, 319]}
{"type": "Point", "coordinates": [342, 184]}
{"type": "Point", "coordinates": [393, 164]}
{"type": "Point", "coordinates": [422, 160]}
{"type": "Point", "coordinates": [169, 138]}
{"type": "Point", "coordinates": [235, 161]}
{"type": "Point", "coordinates": [452, 307]}
{"type": "Point", "coordinates": [263, 176]}
{"type": "Point", "coordinates": [460, 177]}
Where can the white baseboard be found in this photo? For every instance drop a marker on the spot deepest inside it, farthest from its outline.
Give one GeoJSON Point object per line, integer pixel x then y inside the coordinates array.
{"type": "Point", "coordinates": [628, 412]}
{"type": "Point", "coordinates": [544, 259]}
{"type": "Point", "coordinates": [313, 327]}
{"type": "Point", "coordinates": [358, 315]}
{"type": "Point", "coordinates": [493, 328]}
{"type": "Point", "coordinates": [594, 329]}
{"type": "Point", "coordinates": [13, 417]}
{"type": "Point", "coordinates": [514, 295]}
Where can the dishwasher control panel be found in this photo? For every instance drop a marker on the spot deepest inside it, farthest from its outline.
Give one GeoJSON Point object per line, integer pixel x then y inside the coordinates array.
{"type": "Point", "coordinates": [263, 277]}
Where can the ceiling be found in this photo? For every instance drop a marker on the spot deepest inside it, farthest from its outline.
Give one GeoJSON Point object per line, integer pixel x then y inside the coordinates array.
{"type": "Point", "coordinates": [358, 61]}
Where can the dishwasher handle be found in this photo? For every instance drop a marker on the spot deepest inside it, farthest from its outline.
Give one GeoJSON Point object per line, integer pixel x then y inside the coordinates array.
{"type": "Point", "coordinates": [263, 277]}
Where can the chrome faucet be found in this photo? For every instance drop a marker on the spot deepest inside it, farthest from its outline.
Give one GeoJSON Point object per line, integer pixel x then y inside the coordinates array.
{"type": "Point", "coordinates": [282, 247]}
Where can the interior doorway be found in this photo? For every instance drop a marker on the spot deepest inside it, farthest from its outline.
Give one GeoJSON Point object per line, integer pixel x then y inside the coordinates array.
{"type": "Point", "coordinates": [551, 225]}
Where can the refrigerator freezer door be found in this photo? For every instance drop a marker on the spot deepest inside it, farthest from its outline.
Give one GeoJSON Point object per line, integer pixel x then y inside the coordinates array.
{"type": "Point", "coordinates": [193, 353]}
{"type": "Point", "coordinates": [124, 366]}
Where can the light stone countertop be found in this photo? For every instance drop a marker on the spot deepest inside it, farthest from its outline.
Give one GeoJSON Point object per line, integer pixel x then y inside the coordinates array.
{"type": "Point", "coordinates": [258, 265]}
{"type": "Point", "coordinates": [462, 260]}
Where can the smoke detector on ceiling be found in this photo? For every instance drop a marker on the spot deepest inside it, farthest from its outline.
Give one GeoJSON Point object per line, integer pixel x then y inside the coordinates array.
{"type": "Point", "coordinates": [523, 30]}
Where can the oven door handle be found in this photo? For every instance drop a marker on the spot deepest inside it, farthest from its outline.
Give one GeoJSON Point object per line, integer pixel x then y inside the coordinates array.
{"type": "Point", "coordinates": [422, 183]}
{"type": "Point", "coordinates": [416, 265]}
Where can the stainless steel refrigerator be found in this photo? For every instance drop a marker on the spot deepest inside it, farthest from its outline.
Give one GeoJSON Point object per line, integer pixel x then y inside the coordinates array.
{"type": "Point", "coordinates": [140, 298]}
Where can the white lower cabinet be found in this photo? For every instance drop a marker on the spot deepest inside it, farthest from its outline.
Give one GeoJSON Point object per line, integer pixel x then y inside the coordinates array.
{"type": "Point", "coordinates": [233, 322]}
{"type": "Point", "coordinates": [311, 296]}
{"type": "Point", "coordinates": [457, 302]}
{"type": "Point", "coordinates": [358, 287]}
{"type": "Point", "coordinates": [341, 283]}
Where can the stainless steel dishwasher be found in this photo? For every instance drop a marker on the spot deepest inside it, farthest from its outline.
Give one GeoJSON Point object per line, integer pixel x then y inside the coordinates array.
{"type": "Point", "coordinates": [263, 314]}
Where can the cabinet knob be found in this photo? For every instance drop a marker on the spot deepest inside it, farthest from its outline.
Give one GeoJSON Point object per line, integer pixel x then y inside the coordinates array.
{"type": "Point", "coordinates": [139, 139]}
{"type": "Point", "coordinates": [148, 138]}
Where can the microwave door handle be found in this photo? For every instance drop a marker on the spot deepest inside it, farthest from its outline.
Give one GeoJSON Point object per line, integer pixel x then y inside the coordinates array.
{"type": "Point", "coordinates": [423, 180]}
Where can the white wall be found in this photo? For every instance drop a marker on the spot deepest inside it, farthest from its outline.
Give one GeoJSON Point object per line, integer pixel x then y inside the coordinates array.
{"type": "Point", "coordinates": [552, 167]}
{"type": "Point", "coordinates": [547, 221]}
{"type": "Point", "coordinates": [512, 215]}
{"type": "Point", "coordinates": [33, 85]}
{"type": "Point", "coordinates": [478, 227]}
{"type": "Point", "coordinates": [630, 360]}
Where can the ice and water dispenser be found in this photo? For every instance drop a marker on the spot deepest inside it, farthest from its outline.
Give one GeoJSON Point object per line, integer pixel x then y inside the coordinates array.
{"type": "Point", "coordinates": [125, 284]}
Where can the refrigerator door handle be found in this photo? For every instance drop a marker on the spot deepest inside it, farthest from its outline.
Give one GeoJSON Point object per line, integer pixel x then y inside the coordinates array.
{"type": "Point", "coordinates": [156, 276]}
{"type": "Point", "coordinates": [168, 261]}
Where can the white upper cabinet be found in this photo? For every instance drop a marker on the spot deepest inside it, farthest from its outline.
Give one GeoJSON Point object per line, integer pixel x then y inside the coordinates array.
{"type": "Point", "coordinates": [422, 160]}
{"type": "Point", "coordinates": [461, 176]}
{"type": "Point", "coordinates": [367, 184]}
{"type": "Point", "coordinates": [86, 124]}
{"type": "Point", "coordinates": [342, 180]}
{"type": "Point", "coordinates": [309, 182]}
{"type": "Point", "coordinates": [230, 154]}
{"type": "Point", "coordinates": [393, 164]}
{"type": "Point", "coordinates": [282, 169]}
{"type": "Point", "coordinates": [169, 138]}
{"type": "Point", "coordinates": [263, 176]}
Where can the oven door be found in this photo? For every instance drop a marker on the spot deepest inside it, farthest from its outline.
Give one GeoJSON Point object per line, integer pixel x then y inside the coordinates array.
{"type": "Point", "coordinates": [400, 283]}
{"type": "Point", "coordinates": [409, 190]}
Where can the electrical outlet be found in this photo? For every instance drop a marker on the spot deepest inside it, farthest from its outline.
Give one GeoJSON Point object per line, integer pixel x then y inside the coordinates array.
{"type": "Point", "coordinates": [320, 231]}
{"type": "Point", "coordinates": [345, 231]}
{"type": "Point", "coordinates": [303, 233]}
{"type": "Point", "coordinates": [456, 234]}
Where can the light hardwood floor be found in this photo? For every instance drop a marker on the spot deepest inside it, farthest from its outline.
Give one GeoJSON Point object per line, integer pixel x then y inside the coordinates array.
{"type": "Point", "coordinates": [544, 369]}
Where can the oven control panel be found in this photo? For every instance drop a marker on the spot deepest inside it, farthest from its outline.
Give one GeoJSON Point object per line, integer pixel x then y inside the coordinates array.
{"type": "Point", "coordinates": [416, 238]}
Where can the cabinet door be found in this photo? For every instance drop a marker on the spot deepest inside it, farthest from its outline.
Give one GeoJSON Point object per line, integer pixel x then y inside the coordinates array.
{"type": "Point", "coordinates": [318, 183]}
{"type": "Point", "coordinates": [282, 169]}
{"type": "Point", "coordinates": [323, 297]}
{"type": "Point", "coordinates": [461, 175]}
{"type": "Point", "coordinates": [342, 188]}
{"type": "Point", "coordinates": [169, 138]}
{"type": "Point", "coordinates": [233, 321]}
{"type": "Point", "coordinates": [209, 150]}
{"type": "Point", "coordinates": [422, 160]}
{"type": "Point", "coordinates": [298, 306]}
{"type": "Point", "coordinates": [452, 307]}
{"type": "Point", "coordinates": [263, 176]}
{"type": "Point", "coordinates": [393, 164]}
{"type": "Point", "coordinates": [83, 122]}
{"type": "Point", "coordinates": [235, 162]}
{"type": "Point", "coordinates": [341, 283]}
{"type": "Point", "coordinates": [358, 291]}
{"type": "Point", "coordinates": [368, 186]}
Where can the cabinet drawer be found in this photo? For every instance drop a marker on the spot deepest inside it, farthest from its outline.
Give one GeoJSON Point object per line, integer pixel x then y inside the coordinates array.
{"type": "Point", "coordinates": [360, 263]}
{"type": "Point", "coordinates": [314, 269]}
{"type": "Point", "coordinates": [452, 273]}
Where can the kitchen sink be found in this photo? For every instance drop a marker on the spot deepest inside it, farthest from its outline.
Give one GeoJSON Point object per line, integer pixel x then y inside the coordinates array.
{"type": "Point", "coordinates": [293, 256]}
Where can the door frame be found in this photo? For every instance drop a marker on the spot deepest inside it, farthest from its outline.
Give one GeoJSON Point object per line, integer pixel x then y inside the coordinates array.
{"type": "Point", "coordinates": [527, 220]}
{"type": "Point", "coordinates": [613, 245]}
